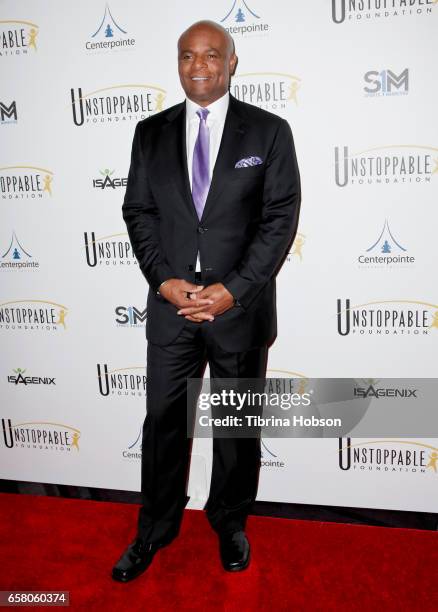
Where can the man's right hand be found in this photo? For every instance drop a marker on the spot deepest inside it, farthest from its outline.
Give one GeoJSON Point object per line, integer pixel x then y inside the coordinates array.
{"type": "Point", "coordinates": [176, 290]}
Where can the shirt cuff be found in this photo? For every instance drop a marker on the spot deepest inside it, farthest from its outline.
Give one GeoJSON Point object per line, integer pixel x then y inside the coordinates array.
{"type": "Point", "coordinates": [160, 285]}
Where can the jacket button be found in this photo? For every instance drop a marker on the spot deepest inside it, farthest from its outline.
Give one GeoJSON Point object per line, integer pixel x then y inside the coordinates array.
{"type": "Point", "coordinates": [201, 230]}
{"type": "Point", "coordinates": [191, 268]}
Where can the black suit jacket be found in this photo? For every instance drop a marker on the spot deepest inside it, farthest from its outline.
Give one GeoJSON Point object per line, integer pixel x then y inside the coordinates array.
{"type": "Point", "coordinates": [248, 224]}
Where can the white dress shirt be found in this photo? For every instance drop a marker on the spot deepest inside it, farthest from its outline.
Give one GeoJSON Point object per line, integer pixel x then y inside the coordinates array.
{"type": "Point", "coordinates": [215, 123]}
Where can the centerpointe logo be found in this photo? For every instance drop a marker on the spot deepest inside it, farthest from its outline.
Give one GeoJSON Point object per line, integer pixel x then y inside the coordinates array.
{"type": "Point", "coordinates": [109, 36]}
{"type": "Point", "coordinates": [273, 91]}
{"type": "Point", "coordinates": [109, 250]}
{"type": "Point", "coordinates": [16, 257]}
{"type": "Point", "coordinates": [109, 105]}
{"type": "Point", "coordinates": [385, 252]}
{"type": "Point", "coordinates": [19, 378]}
{"type": "Point", "coordinates": [387, 317]}
{"type": "Point", "coordinates": [129, 381]}
{"type": "Point", "coordinates": [297, 248]}
{"type": "Point", "coordinates": [133, 451]}
{"type": "Point", "coordinates": [24, 182]}
{"type": "Point", "coordinates": [385, 165]}
{"type": "Point", "coordinates": [386, 83]}
{"type": "Point", "coordinates": [40, 435]}
{"type": "Point", "coordinates": [130, 316]}
{"type": "Point", "coordinates": [268, 458]}
{"type": "Point", "coordinates": [366, 10]}
{"type": "Point", "coordinates": [109, 181]}
{"type": "Point", "coordinates": [27, 315]}
{"type": "Point", "coordinates": [16, 37]}
{"type": "Point", "coordinates": [388, 456]}
{"type": "Point", "coordinates": [243, 20]}
{"type": "Point", "coordinates": [8, 114]}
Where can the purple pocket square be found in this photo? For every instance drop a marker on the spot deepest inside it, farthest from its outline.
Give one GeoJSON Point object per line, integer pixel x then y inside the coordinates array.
{"type": "Point", "coordinates": [246, 162]}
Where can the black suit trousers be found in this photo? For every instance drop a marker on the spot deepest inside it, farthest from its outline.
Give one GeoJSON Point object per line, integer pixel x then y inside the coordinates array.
{"type": "Point", "coordinates": [166, 447]}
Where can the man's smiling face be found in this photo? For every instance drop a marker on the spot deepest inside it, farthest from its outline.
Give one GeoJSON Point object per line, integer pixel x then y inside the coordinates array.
{"type": "Point", "coordinates": [206, 60]}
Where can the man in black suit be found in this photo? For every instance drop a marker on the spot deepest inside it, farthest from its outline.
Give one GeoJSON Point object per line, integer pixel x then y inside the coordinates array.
{"type": "Point", "coordinates": [211, 208]}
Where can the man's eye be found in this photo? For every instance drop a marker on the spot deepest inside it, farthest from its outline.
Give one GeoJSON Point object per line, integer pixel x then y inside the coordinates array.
{"type": "Point", "coordinates": [212, 55]}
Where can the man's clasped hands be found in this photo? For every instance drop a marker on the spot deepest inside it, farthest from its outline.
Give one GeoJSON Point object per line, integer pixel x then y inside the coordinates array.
{"type": "Point", "coordinates": [196, 302]}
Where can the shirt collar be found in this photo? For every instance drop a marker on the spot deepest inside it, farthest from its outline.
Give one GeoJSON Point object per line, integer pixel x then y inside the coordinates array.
{"type": "Point", "coordinates": [218, 108]}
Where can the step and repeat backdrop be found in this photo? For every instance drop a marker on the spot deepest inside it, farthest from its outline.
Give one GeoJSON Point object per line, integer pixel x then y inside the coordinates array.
{"type": "Point", "coordinates": [356, 295]}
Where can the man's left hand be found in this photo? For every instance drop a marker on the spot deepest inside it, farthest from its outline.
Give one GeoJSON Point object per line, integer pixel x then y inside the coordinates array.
{"type": "Point", "coordinates": [222, 301]}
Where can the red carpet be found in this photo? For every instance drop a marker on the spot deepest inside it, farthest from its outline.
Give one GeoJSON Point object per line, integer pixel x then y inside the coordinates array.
{"type": "Point", "coordinates": [61, 544]}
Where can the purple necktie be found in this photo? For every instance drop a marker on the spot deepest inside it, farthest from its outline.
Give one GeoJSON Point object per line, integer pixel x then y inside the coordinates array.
{"type": "Point", "coordinates": [201, 163]}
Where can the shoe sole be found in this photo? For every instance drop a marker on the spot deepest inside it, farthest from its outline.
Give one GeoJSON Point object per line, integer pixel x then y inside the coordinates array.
{"type": "Point", "coordinates": [122, 579]}
{"type": "Point", "coordinates": [238, 569]}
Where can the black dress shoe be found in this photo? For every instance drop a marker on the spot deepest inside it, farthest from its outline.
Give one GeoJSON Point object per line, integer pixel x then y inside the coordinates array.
{"type": "Point", "coordinates": [234, 549]}
{"type": "Point", "coordinates": [134, 561]}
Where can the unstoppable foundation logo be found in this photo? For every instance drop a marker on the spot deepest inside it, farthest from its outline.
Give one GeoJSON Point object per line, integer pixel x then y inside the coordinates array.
{"type": "Point", "coordinates": [18, 38]}
{"type": "Point", "coordinates": [128, 381]}
{"type": "Point", "coordinates": [112, 250]}
{"type": "Point", "coordinates": [384, 165]}
{"type": "Point", "coordinates": [25, 182]}
{"type": "Point", "coordinates": [272, 91]}
{"type": "Point", "coordinates": [359, 11]}
{"type": "Point", "coordinates": [31, 315]}
{"type": "Point", "coordinates": [388, 457]}
{"type": "Point", "coordinates": [115, 104]}
{"type": "Point", "coordinates": [387, 318]}
{"type": "Point", "coordinates": [40, 436]}
{"type": "Point", "coordinates": [296, 252]}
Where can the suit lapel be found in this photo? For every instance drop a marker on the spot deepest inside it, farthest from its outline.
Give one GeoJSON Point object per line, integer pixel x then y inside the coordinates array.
{"type": "Point", "coordinates": [234, 129]}
{"type": "Point", "coordinates": [174, 138]}
{"type": "Point", "coordinates": [175, 142]}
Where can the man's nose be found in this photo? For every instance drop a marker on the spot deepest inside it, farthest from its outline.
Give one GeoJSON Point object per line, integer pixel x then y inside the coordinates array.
{"type": "Point", "coordinates": [199, 62]}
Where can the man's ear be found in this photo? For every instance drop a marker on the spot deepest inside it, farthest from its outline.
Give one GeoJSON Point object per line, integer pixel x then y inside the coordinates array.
{"type": "Point", "coordinates": [233, 64]}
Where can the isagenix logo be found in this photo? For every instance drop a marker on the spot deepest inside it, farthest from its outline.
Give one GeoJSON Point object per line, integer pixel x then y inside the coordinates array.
{"type": "Point", "coordinates": [19, 378]}
{"type": "Point", "coordinates": [378, 392]}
